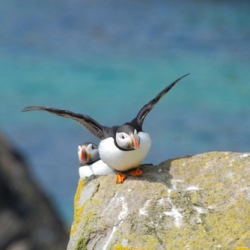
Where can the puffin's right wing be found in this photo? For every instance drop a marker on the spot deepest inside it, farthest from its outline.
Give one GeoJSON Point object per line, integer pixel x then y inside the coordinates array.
{"type": "Point", "coordinates": [138, 120]}
{"type": "Point", "coordinates": [90, 124]}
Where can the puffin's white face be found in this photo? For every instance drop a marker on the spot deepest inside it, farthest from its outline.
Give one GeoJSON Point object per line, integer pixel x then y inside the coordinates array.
{"type": "Point", "coordinates": [128, 140]}
{"type": "Point", "coordinates": [88, 153]}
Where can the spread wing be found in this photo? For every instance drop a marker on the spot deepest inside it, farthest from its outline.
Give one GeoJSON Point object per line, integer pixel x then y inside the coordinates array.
{"type": "Point", "coordinates": [138, 120]}
{"type": "Point", "coordinates": [89, 123]}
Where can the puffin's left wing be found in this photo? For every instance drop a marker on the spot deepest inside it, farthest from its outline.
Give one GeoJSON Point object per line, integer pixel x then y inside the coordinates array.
{"type": "Point", "coordinates": [89, 123]}
{"type": "Point", "coordinates": [138, 120]}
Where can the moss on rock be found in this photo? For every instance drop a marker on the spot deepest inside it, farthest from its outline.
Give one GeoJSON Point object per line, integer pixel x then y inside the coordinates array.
{"type": "Point", "coordinates": [192, 202]}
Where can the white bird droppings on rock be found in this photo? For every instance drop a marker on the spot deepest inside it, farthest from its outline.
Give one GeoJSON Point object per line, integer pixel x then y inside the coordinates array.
{"type": "Point", "coordinates": [244, 155]}
{"type": "Point", "coordinates": [174, 211]}
{"type": "Point", "coordinates": [109, 239]}
{"type": "Point", "coordinates": [124, 212]}
{"type": "Point", "coordinates": [200, 209]}
{"type": "Point", "coordinates": [192, 188]}
{"type": "Point", "coordinates": [121, 216]}
{"type": "Point", "coordinates": [143, 210]}
{"type": "Point", "coordinates": [176, 215]}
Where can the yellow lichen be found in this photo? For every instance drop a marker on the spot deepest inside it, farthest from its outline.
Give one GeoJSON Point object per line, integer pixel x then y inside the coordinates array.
{"type": "Point", "coordinates": [77, 208]}
{"type": "Point", "coordinates": [121, 247]}
{"type": "Point", "coordinates": [222, 221]}
{"type": "Point", "coordinates": [139, 242]}
{"type": "Point", "coordinates": [242, 248]}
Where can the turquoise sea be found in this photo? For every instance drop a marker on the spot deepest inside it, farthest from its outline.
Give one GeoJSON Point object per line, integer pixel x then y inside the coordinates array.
{"type": "Point", "coordinates": [107, 59]}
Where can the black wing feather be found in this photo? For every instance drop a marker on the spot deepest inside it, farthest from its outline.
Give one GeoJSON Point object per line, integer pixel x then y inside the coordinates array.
{"type": "Point", "coordinates": [89, 123]}
{"type": "Point", "coordinates": [138, 120]}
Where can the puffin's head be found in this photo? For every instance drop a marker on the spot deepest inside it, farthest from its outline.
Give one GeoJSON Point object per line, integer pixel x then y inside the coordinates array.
{"type": "Point", "coordinates": [126, 138]}
{"type": "Point", "coordinates": [88, 153]}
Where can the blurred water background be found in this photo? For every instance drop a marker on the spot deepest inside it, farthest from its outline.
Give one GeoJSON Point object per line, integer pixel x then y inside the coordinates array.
{"type": "Point", "coordinates": [107, 59]}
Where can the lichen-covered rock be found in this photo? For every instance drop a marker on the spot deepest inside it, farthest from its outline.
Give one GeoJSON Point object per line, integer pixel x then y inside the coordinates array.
{"type": "Point", "coordinates": [193, 202]}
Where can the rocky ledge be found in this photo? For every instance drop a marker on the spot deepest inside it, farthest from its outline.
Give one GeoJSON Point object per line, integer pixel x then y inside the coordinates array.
{"type": "Point", "coordinates": [192, 202]}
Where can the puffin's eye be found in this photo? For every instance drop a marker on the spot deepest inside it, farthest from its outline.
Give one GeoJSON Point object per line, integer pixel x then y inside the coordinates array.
{"type": "Point", "coordinates": [123, 137]}
{"type": "Point", "coordinates": [92, 146]}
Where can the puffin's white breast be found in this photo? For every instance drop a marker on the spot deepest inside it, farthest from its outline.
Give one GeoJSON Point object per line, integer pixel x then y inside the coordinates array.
{"type": "Point", "coordinates": [124, 160]}
{"type": "Point", "coordinates": [97, 168]}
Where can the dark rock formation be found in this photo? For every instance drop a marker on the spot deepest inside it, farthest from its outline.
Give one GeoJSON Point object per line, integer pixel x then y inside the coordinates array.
{"type": "Point", "coordinates": [27, 218]}
{"type": "Point", "coordinates": [194, 202]}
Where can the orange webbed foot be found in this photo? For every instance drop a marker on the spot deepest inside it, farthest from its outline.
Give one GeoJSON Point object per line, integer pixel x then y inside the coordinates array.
{"type": "Point", "coordinates": [136, 172]}
{"type": "Point", "coordinates": [120, 178]}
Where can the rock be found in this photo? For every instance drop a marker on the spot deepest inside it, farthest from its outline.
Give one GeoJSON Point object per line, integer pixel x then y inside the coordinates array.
{"type": "Point", "coordinates": [28, 220]}
{"type": "Point", "coordinates": [192, 202]}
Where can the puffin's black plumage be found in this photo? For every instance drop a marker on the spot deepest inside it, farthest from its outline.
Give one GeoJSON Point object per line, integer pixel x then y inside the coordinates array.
{"type": "Point", "coordinates": [96, 128]}
{"type": "Point", "coordinates": [89, 123]}
{"type": "Point", "coordinates": [137, 122]}
{"type": "Point", "coordinates": [121, 147]}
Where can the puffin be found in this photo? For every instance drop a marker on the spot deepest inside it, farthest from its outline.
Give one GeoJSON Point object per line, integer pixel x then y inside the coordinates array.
{"type": "Point", "coordinates": [90, 162]}
{"type": "Point", "coordinates": [123, 147]}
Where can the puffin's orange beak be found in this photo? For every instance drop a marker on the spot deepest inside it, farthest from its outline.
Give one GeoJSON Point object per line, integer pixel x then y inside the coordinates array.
{"type": "Point", "coordinates": [82, 154]}
{"type": "Point", "coordinates": [136, 142]}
